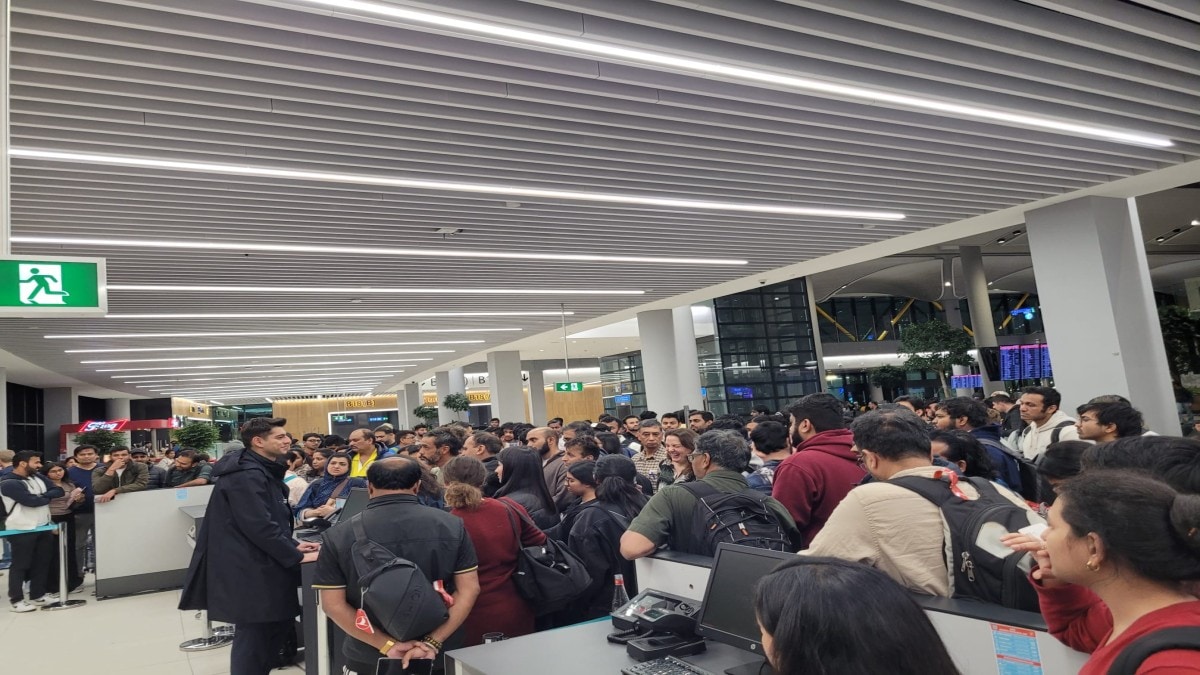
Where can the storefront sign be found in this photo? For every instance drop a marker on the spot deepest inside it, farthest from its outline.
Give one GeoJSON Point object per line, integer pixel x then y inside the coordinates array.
{"type": "Point", "coordinates": [33, 286]}
{"type": "Point", "coordinates": [103, 425]}
{"type": "Point", "coordinates": [360, 403]}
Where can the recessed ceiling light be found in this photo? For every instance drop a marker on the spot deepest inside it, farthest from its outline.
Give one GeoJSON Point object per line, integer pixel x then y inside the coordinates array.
{"type": "Point", "coordinates": [449, 186]}
{"type": "Point", "coordinates": [242, 347]}
{"type": "Point", "coordinates": [271, 356]}
{"type": "Point", "coordinates": [334, 315]}
{"type": "Point", "coordinates": [672, 62]}
{"type": "Point", "coordinates": [272, 333]}
{"type": "Point", "coordinates": [334, 290]}
{"type": "Point", "coordinates": [1196, 222]}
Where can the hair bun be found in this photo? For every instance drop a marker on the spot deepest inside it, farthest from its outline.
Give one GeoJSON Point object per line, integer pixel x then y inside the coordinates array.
{"type": "Point", "coordinates": [1185, 519]}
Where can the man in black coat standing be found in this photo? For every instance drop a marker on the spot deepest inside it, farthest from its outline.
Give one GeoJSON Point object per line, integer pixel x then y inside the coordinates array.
{"type": "Point", "coordinates": [246, 566]}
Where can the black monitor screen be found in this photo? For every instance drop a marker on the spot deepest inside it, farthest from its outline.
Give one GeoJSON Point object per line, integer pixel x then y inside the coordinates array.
{"type": "Point", "coordinates": [728, 612]}
{"type": "Point", "coordinates": [355, 503]}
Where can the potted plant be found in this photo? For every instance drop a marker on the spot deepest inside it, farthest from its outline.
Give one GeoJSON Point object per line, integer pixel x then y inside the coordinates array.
{"type": "Point", "coordinates": [936, 346]}
{"type": "Point", "coordinates": [199, 436]}
{"type": "Point", "coordinates": [459, 403]}
{"type": "Point", "coordinates": [103, 439]}
{"type": "Point", "coordinates": [426, 413]}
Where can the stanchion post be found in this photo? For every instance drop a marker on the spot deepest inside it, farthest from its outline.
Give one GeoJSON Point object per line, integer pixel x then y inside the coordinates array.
{"type": "Point", "coordinates": [322, 639]}
{"type": "Point", "coordinates": [63, 590]}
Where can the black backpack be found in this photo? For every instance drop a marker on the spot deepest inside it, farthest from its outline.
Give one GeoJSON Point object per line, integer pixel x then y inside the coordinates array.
{"type": "Point", "coordinates": [975, 528]}
{"type": "Point", "coordinates": [393, 591]}
{"type": "Point", "coordinates": [1027, 470]}
{"type": "Point", "coordinates": [1161, 640]}
{"type": "Point", "coordinates": [741, 518]}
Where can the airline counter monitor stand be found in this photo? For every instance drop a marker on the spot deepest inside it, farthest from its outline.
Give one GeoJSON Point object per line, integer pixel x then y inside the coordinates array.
{"type": "Point", "coordinates": [212, 638]}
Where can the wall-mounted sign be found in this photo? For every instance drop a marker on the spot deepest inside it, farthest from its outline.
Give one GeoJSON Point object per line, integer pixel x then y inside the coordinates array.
{"type": "Point", "coordinates": [33, 286]}
{"type": "Point", "coordinates": [360, 403]}
{"type": "Point", "coordinates": [568, 386]}
{"type": "Point", "coordinates": [103, 425]}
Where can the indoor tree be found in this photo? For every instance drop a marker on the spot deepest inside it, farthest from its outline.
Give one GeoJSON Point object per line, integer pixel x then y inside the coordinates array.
{"type": "Point", "coordinates": [936, 345]}
{"type": "Point", "coordinates": [458, 403]}
{"type": "Point", "coordinates": [199, 436]}
{"type": "Point", "coordinates": [889, 379]}
{"type": "Point", "coordinates": [103, 439]}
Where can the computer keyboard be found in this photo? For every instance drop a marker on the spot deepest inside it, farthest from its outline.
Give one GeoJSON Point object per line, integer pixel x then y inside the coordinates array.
{"type": "Point", "coordinates": [665, 666]}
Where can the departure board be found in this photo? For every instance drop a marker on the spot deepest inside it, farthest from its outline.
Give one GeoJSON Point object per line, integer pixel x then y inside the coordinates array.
{"type": "Point", "coordinates": [1025, 362]}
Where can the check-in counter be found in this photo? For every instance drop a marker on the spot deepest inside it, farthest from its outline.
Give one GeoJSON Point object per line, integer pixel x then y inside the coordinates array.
{"type": "Point", "coordinates": [141, 539]}
{"type": "Point", "coordinates": [982, 639]}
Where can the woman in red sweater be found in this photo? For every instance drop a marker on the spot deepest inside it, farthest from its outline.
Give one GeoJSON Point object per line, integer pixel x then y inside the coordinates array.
{"type": "Point", "coordinates": [499, 609]}
{"type": "Point", "coordinates": [1134, 542]}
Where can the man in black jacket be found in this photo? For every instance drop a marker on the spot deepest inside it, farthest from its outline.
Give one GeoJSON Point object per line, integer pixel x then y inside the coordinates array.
{"type": "Point", "coordinates": [246, 566]}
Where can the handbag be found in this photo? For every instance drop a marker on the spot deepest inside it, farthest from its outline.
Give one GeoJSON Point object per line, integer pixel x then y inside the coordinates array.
{"type": "Point", "coordinates": [548, 575]}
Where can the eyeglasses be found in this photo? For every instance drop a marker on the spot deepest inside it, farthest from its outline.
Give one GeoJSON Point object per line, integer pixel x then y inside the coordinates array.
{"type": "Point", "coordinates": [858, 455]}
{"type": "Point", "coordinates": [692, 457]}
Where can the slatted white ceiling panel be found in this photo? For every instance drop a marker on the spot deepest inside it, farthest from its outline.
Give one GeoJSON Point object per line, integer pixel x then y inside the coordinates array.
{"type": "Point", "coordinates": [285, 85]}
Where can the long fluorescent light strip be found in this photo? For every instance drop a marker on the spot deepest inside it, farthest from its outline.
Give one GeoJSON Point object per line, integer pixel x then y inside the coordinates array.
{"type": "Point", "coordinates": [630, 54]}
{"type": "Point", "coordinates": [265, 356]}
{"type": "Point", "coordinates": [201, 392]}
{"type": "Point", "coordinates": [262, 393]}
{"type": "Point", "coordinates": [273, 333]}
{"type": "Point", "coordinates": [225, 375]}
{"type": "Point", "coordinates": [239, 347]}
{"type": "Point", "coordinates": [328, 315]}
{"type": "Point", "coordinates": [477, 188]}
{"type": "Point", "coordinates": [251, 365]}
{"type": "Point", "coordinates": [262, 383]}
{"type": "Point", "coordinates": [334, 290]}
{"type": "Point", "coordinates": [543, 256]}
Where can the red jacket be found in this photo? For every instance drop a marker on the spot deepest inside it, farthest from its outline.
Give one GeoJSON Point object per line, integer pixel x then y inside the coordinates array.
{"type": "Point", "coordinates": [815, 479]}
{"type": "Point", "coordinates": [1080, 620]}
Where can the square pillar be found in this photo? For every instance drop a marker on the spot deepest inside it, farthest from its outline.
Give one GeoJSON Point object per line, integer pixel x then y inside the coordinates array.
{"type": "Point", "coordinates": [451, 381]}
{"type": "Point", "coordinates": [1098, 306]}
{"type": "Point", "coordinates": [505, 386]}
{"type": "Point", "coordinates": [60, 406]}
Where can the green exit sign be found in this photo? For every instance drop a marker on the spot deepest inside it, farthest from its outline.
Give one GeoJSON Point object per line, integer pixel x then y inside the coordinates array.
{"type": "Point", "coordinates": [33, 286]}
{"type": "Point", "coordinates": [568, 386]}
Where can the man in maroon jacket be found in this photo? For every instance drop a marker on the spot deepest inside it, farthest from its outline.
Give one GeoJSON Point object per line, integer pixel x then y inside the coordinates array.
{"type": "Point", "coordinates": [823, 469]}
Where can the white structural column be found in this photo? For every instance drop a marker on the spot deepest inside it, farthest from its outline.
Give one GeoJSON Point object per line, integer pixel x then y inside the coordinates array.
{"type": "Point", "coordinates": [980, 305]}
{"type": "Point", "coordinates": [1098, 306]}
{"type": "Point", "coordinates": [449, 382]}
{"type": "Point", "coordinates": [4, 408]}
{"type": "Point", "coordinates": [60, 405]}
{"type": "Point", "coordinates": [672, 378]}
{"type": "Point", "coordinates": [687, 366]}
{"type": "Point", "coordinates": [505, 386]}
{"type": "Point", "coordinates": [537, 395]}
{"type": "Point", "coordinates": [118, 409]}
{"type": "Point", "coordinates": [409, 399]}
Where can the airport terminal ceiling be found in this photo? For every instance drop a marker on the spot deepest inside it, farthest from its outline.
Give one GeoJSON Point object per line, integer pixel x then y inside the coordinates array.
{"type": "Point", "coordinates": [499, 158]}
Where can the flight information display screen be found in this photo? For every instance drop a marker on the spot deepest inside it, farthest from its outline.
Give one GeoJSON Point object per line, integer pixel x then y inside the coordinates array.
{"type": "Point", "coordinates": [1025, 362]}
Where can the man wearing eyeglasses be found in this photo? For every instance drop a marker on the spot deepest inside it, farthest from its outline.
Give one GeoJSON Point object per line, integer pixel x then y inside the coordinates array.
{"type": "Point", "coordinates": [668, 517]}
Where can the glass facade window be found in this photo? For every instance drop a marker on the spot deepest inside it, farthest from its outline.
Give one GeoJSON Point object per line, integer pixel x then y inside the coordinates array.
{"type": "Point", "coordinates": [623, 384]}
{"type": "Point", "coordinates": [26, 430]}
{"type": "Point", "coordinates": [764, 351]}
{"type": "Point", "coordinates": [871, 318]}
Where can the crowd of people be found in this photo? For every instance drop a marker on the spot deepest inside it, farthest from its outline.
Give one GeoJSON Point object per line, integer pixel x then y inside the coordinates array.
{"type": "Point", "coordinates": [1101, 517]}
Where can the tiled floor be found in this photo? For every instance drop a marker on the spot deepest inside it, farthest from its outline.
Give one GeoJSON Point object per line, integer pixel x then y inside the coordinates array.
{"type": "Point", "coordinates": [137, 635]}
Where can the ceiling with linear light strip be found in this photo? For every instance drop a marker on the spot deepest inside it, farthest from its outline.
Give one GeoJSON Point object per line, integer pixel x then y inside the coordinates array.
{"type": "Point", "coordinates": [324, 196]}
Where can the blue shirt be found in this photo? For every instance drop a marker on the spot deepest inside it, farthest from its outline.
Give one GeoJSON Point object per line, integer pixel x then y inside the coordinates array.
{"type": "Point", "coordinates": [82, 478]}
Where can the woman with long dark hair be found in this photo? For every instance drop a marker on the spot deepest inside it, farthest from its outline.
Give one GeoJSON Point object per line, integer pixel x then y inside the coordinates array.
{"type": "Point", "coordinates": [825, 616]}
{"type": "Point", "coordinates": [493, 531]}
{"type": "Point", "coordinates": [964, 451]}
{"type": "Point", "coordinates": [62, 510]}
{"type": "Point", "coordinates": [596, 534]}
{"type": "Point", "coordinates": [1134, 542]}
{"type": "Point", "coordinates": [522, 480]}
{"type": "Point", "coordinates": [320, 497]}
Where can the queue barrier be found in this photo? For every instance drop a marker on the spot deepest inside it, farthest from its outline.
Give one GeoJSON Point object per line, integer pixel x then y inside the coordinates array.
{"type": "Point", "coordinates": [63, 591]}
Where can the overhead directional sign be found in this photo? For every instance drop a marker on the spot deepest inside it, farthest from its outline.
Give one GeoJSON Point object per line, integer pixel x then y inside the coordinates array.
{"type": "Point", "coordinates": [568, 386]}
{"type": "Point", "coordinates": [34, 286]}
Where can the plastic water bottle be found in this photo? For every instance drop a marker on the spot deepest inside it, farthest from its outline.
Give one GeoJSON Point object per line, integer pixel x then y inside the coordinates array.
{"type": "Point", "coordinates": [620, 596]}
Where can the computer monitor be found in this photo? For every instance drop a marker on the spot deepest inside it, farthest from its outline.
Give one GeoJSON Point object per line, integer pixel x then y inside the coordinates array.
{"type": "Point", "coordinates": [355, 503]}
{"type": "Point", "coordinates": [728, 612]}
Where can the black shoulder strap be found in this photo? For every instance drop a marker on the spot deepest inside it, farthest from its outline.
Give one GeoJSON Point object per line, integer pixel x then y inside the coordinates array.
{"type": "Point", "coordinates": [933, 489]}
{"type": "Point", "coordinates": [360, 534]}
{"type": "Point", "coordinates": [1057, 433]}
{"type": "Point", "coordinates": [1132, 657]}
{"type": "Point", "coordinates": [699, 489]}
